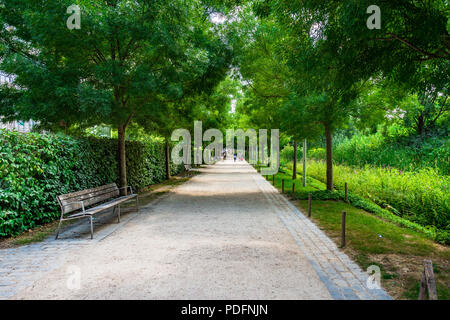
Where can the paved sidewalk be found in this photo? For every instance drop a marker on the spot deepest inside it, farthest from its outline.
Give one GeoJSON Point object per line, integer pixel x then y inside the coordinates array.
{"type": "Point", "coordinates": [342, 277]}
{"type": "Point", "coordinates": [20, 267]}
{"type": "Point", "coordinates": [225, 234]}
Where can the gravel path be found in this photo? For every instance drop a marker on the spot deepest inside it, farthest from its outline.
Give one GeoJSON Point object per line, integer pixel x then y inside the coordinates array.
{"type": "Point", "coordinates": [225, 234]}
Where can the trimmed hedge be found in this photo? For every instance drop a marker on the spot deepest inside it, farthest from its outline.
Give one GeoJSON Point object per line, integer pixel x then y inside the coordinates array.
{"type": "Point", "coordinates": [35, 168]}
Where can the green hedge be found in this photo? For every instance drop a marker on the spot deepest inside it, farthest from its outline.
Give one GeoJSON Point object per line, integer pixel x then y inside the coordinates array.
{"type": "Point", "coordinates": [35, 168]}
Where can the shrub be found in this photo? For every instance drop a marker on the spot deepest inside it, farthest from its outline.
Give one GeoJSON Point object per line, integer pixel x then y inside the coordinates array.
{"type": "Point", "coordinates": [286, 155]}
{"type": "Point", "coordinates": [317, 153]}
{"type": "Point", "coordinates": [35, 168]}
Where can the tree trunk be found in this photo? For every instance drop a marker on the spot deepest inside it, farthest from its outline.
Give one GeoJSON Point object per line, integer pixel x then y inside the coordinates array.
{"type": "Point", "coordinates": [122, 160]}
{"type": "Point", "coordinates": [294, 169]}
{"type": "Point", "coordinates": [329, 142]}
{"type": "Point", "coordinates": [167, 149]}
{"type": "Point", "coordinates": [420, 124]}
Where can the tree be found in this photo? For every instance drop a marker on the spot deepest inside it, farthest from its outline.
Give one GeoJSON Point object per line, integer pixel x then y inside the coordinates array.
{"type": "Point", "coordinates": [331, 57]}
{"type": "Point", "coordinates": [424, 111]}
{"type": "Point", "coordinates": [302, 91]}
{"type": "Point", "coordinates": [128, 59]}
{"type": "Point", "coordinates": [431, 97]}
{"type": "Point", "coordinates": [264, 75]}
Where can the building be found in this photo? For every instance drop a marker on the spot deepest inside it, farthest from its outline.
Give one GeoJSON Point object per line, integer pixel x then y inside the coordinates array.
{"type": "Point", "coordinates": [21, 126]}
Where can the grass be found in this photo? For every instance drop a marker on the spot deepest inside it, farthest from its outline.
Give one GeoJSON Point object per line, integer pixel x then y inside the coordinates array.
{"type": "Point", "coordinates": [398, 251]}
{"type": "Point", "coordinates": [421, 197]}
{"type": "Point", "coordinates": [408, 153]}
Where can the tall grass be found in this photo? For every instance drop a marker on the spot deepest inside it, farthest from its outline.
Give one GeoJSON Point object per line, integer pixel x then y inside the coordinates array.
{"type": "Point", "coordinates": [422, 196]}
{"type": "Point", "coordinates": [405, 153]}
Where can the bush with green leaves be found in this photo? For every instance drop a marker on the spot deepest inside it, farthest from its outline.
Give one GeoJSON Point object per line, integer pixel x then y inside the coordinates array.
{"type": "Point", "coordinates": [35, 168]}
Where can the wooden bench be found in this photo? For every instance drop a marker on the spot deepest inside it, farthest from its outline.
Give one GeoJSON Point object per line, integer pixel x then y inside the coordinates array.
{"type": "Point", "coordinates": [104, 197]}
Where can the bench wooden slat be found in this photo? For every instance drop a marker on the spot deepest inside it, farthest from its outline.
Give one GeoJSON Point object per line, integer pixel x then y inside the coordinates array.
{"type": "Point", "coordinates": [104, 197]}
{"type": "Point", "coordinates": [86, 191]}
{"type": "Point", "coordinates": [71, 202]}
{"type": "Point", "coordinates": [73, 206]}
{"type": "Point", "coordinates": [89, 195]}
{"type": "Point", "coordinates": [109, 204]}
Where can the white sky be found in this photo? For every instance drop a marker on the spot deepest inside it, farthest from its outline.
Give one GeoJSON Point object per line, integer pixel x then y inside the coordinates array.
{"type": "Point", "coordinates": [233, 105]}
{"type": "Point", "coordinates": [218, 18]}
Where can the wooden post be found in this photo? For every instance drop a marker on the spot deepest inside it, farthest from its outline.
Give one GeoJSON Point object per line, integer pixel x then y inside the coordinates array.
{"type": "Point", "coordinates": [167, 155]}
{"type": "Point", "coordinates": [282, 186]}
{"type": "Point", "coordinates": [304, 163]}
{"type": "Point", "coordinates": [427, 283]}
{"type": "Point", "coordinates": [343, 229]}
{"type": "Point", "coordinates": [293, 191]}
{"type": "Point", "coordinates": [294, 168]}
{"type": "Point", "coordinates": [309, 204]}
{"type": "Point", "coordinates": [346, 197]}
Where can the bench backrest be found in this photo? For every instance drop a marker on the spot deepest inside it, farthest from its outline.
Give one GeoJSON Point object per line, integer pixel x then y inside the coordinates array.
{"type": "Point", "coordinates": [89, 197]}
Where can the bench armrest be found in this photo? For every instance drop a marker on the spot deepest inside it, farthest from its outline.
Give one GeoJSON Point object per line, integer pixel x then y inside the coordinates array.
{"type": "Point", "coordinates": [127, 187]}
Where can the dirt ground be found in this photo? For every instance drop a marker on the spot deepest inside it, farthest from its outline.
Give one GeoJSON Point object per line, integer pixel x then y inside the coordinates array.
{"type": "Point", "coordinates": [214, 237]}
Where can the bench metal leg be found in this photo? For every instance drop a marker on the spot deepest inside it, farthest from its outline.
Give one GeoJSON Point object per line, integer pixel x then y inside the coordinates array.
{"type": "Point", "coordinates": [118, 214]}
{"type": "Point", "coordinates": [137, 203]}
{"type": "Point", "coordinates": [59, 227]}
{"type": "Point", "coordinates": [92, 228]}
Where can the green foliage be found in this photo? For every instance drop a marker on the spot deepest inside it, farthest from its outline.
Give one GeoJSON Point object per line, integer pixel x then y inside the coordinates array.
{"type": "Point", "coordinates": [131, 61]}
{"type": "Point", "coordinates": [125, 62]}
{"type": "Point", "coordinates": [286, 155]}
{"type": "Point", "coordinates": [408, 153]}
{"type": "Point", "coordinates": [318, 191]}
{"type": "Point", "coordinates": [374, 241]}
{"type": "Point", "coordinates": [421, 197]}
{"type": "Point", "coordinates": [314, 65]}
{"type": "Point", "coordinates": [413, 36]}
{"type": "Point", "coordinates": [35, 168]}
{"type": "Point", "coordinates": [317, 153]}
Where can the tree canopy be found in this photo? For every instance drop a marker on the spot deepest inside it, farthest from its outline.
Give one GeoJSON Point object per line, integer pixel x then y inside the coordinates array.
{"type": "Point", "coordinates": [307, 67]}
{"type": "Point", "coordinates": [127, 62]}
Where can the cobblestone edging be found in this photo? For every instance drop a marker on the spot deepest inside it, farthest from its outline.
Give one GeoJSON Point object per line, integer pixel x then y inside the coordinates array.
{"type": "Point", "coordinates": [342, 277]}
